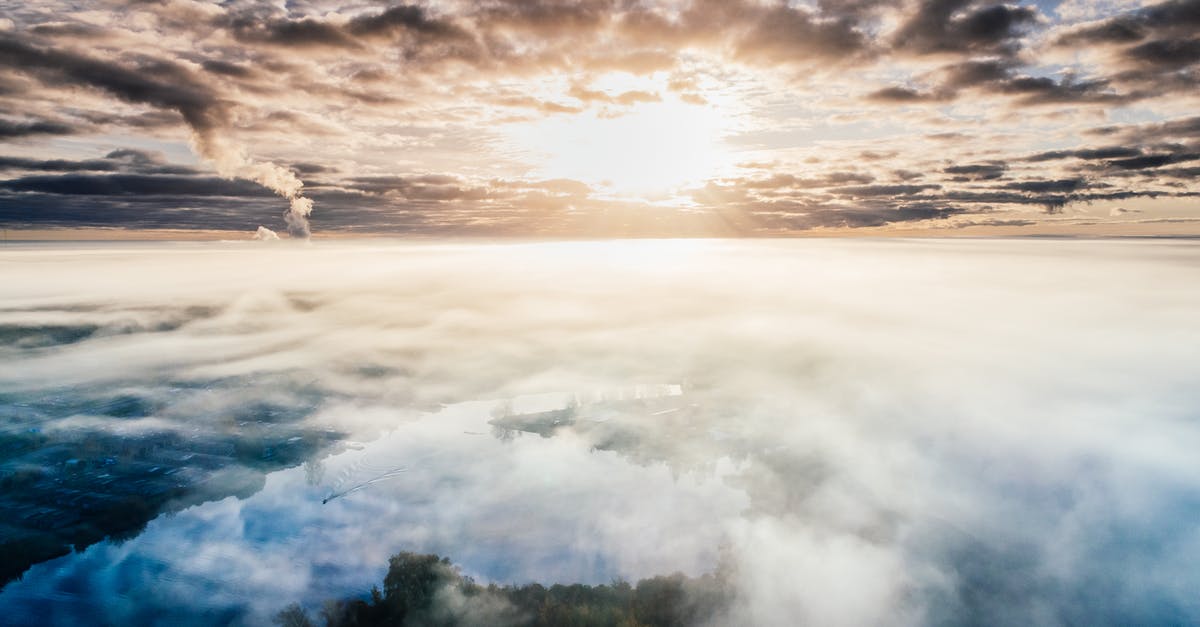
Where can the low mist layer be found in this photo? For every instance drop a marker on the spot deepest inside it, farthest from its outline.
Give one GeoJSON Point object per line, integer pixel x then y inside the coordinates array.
{"type": "Point", "coordinates": [870, 431]}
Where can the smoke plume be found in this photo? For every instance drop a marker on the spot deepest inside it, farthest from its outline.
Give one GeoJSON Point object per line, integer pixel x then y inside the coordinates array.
{"type": "Point", "coordinates": [170, 86]}
{"type": "Point", "coordinates": [265, 234]}
{"type": "Point", "coordinates": [231, 161]}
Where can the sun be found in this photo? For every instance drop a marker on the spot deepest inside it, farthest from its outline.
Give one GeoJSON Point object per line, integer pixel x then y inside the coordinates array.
{"type": "Point", "coordinates": [646, 150]}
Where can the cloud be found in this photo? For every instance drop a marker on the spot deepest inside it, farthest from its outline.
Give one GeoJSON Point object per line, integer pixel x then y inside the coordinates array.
{"type": "Point", "coordinates": [407, 21]}
{"type": "Point", "coordinates": [137, 161]}
{"type": "Point", "coordinates": [171, 86]}
{"type": "Point", "coordinates": [359, 96]}
{"type": "Point", "coordinates": [1111, 152]}
{"type": "Point", "coordinates": [159, 83]}
{"type": "Point", "coordinates": [963, 26]}
{"type": "Point", "coordinates": [1001, 77]}
{"type": "Point", "coordinates": [977, 172]}
{"type": "Point", "coordinates": [1055, 186]}
{"type": "Point", "coordinates": [132, 185]}
{"type": "Point", "coordinates": [1166, 53]}
{"type": "Point", "coordinates": [302, 33]}
{"type": "Point", "coordinates": [1151, 49]}
{"type": "Point", "coordinates": [56, 165]}
{"type": "Point", "coordinates": [869, 430]}
{"type": "Point", "coordinates": [903, 95]}
{"type": "Point", "coordinates": [1151, 161]}
{"type": "Point", "coordinates": [1163, 19]}
{"type": "Point", "coordinates": [226, 68]}
{"type": "Point", "coordinates": [9, 129]}
{"type": "Point", "coordinates": [783, 34]}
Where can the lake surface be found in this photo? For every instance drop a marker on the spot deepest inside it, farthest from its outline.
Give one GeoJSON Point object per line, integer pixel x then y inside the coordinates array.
{"type": "Point", "coordinates": [860, 431]}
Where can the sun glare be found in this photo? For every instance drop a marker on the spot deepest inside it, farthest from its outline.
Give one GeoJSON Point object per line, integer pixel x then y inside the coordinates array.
{"type": "Point", "coordinates": [647, 150]}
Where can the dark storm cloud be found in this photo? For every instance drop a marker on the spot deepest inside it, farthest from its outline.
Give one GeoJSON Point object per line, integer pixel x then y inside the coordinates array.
{"type": "Point", "coordinates": [1050, 196]}
{"type": "Point", "coordinates": [1180, 14]}
{"type": "Point", "coordinates": [1153, 50]}
{"type": "Point", "coordinates": [136, 157]}
{"type": "Point", "coordinates": [1163, 19]}
{"type": "Point", "coordinates": [71, 30]}
{"type": "Point", "coordinates": [405, 20]}
{"type": "Point", "coordinates": [1166, 53]}
{"type": "Point", "coordinates": [1154, 152]}
{"type": "Point", "coordinates": [904, 95]}
{"type": "Point", "coordinates": [26, 209]}
{"type": "Point", "coordinates": [1170, 130]}
{"type": "Point", "coordinates": [157, 83]}
{"type": "Point", "coordinates": [145, 121]}
{"type": "Point", "coordinates": [312, 168]}
{"type": "Point", "coordinates": [133, 185]}
{"type": "Point", "coordinates": [976, 172]}
{"type": "Point", "coordinates": [1002, 77]}
{"type": "Point", "coordinates": [135, 161]}
{"type": "Point", "coordinates": [9, 129]}
{"type": "Point", "coordinates": [1115, 31]}
{"type": "Point", "coordinates": [411, 27]}
{"type": "Point", "coordinates": [975, 73]}
{"type": "Point", "coordinates": [1048, 187]}
{"type": "Point", "coordinates": [963, 26]}
{"type": "Point", "coordinates": [56, 165]}
{"type": "Point", "coordinates": [1044, 90]}
{"type": "Point", "coordinates": [225, 68]}
{"type": "Point", "coordinates": [858, 217]}
{"type": "Point", "coordinates": [1112, 152]}
{"type": "Point", "coordinates": [251, 26]}
{"type": "Point", "coordinates": [1152, 161]}
{"type": "Point", "coordinates": [1154, 44]}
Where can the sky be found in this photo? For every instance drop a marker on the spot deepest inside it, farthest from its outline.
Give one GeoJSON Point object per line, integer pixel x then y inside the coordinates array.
{"type": "Point", "coordinates": [600, 118]}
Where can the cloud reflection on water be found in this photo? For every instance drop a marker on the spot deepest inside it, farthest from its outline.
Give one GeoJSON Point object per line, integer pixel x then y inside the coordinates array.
{"type": "Point", "coordinates": [900, 431]}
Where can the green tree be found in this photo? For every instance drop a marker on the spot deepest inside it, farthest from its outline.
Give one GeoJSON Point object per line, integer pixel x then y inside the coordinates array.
{"type": "Point", "coordinates": [413, 579]}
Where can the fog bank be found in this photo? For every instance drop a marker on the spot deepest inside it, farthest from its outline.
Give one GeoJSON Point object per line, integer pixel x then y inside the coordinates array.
{"type": "Point", "coordinates": [874, 432]}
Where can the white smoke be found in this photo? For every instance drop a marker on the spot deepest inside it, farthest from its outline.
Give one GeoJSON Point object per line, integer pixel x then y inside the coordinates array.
{"type": "Point", "coordinates": [297, 216]}
{"type": "Point", "coordinates": [265, 234]}
{"type": "Point", "coordinates": [231, 161]}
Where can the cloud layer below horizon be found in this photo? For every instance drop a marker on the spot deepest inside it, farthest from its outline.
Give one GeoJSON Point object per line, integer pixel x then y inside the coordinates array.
{"type": "Point", "coordinates": [911, 432]}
